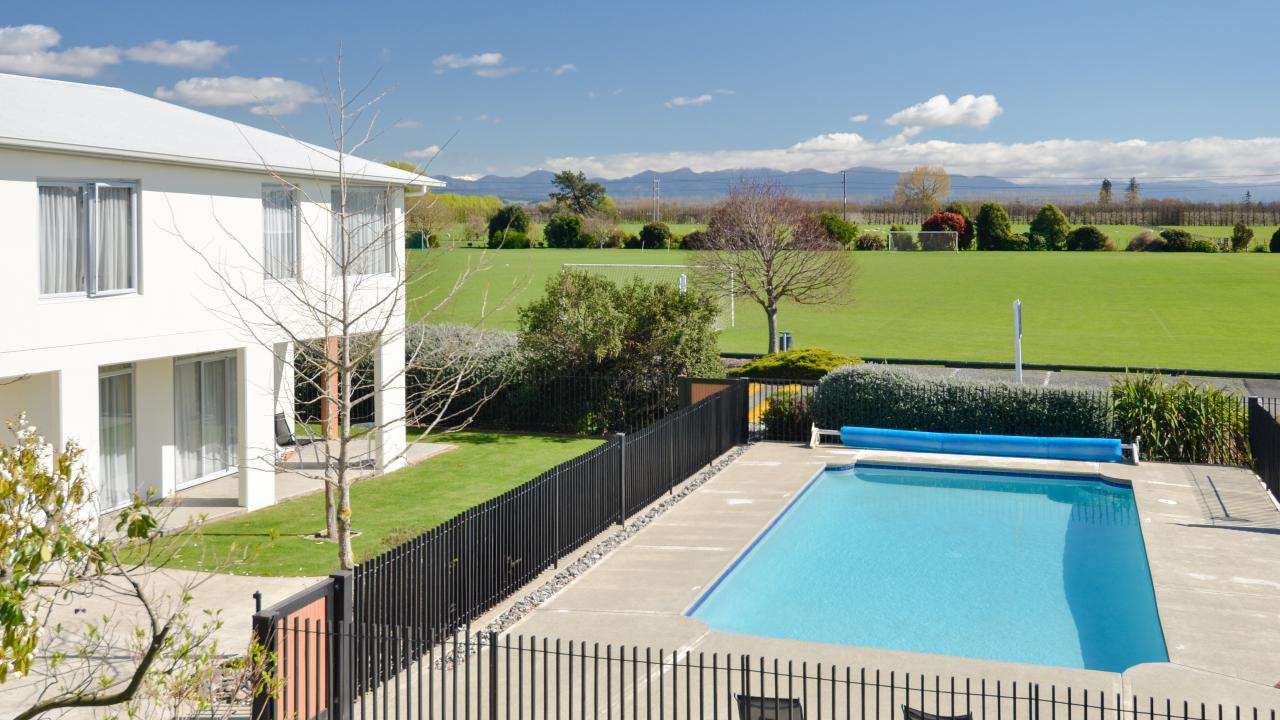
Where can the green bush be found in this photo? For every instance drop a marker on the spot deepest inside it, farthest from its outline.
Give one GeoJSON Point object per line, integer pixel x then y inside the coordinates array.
{"type": "Point", "coordinates": [1275, 241]}
{"type": "Point", "coordinates": [1181, 422]}
{"type": "Point", "coordinates": [1204, 245]}
{"type": "Point", "coordinates": [794, 364]}
{"type": "Point", "coordinates": [655, 235]}
{"type": "Point", "coordinates": [696, 240]}
{"type": "Point", "coordinates": [632, 242]}
{"type": "Point", "coordinates": [786, 415]}
{"type": "Point", "coordinates": [1146, 241]}
{"type": "Point", "coordinates": [617, 238]}
{"type": "Point", "coordinates": [420, 240]}
{"type": "Point", "coordinates": [904, 241]}
{"type": "Point", "coordinates": [992, 227]}
{"type": "Point", "coordinates": [1088, 237]}
{"type": "Point", "coordinates": [564, 230]}
{"type": "Point", "coordinates": [1241, 236]}
{"type": "Point", "coordinates": [510, 239]}
{"type": "Point", "coordinates": [837, 229]}
{"type": "Point", "coordinates": [869, 241]}
{"type": "Point", "coordinates": [888, 397]}
{"type": "Point", "coordinates": [1019, 241]}
{"type": "Point", "coordinates": [508, 217]}
{"type": "Point", "coordinates": [1176, 240]}
{"type": "Point", "coordinates": [450, 368]}
{"type": "Point", "coordinates": [1051, 225]}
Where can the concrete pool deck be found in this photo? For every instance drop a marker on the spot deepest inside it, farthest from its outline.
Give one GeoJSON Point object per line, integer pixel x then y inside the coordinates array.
{"type": "Point", "coordinates": [1213, 543]}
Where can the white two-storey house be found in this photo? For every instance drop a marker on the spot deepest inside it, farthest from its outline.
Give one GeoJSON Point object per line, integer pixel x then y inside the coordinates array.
{"type": "Point", "coordinates": [137, 239]}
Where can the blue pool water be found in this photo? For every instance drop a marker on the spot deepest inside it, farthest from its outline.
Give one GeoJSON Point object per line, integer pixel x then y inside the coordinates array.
{"type": "Point", "coordinates": [1025, 568]}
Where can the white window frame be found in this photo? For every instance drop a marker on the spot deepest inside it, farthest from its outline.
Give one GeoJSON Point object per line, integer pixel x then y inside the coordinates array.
{"type": "Point", "coordinates": [108, 371]}
{"type": "Point", "coordinates": [89, 241]}
{"type": "Point", "coordinates": [297, 233]}
{"type": "Point", "coordinates": [388, 221]}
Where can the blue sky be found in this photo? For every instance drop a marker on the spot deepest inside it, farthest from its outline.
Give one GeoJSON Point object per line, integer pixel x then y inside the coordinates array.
{"type": "Point", "coordinates": [1056, 89]}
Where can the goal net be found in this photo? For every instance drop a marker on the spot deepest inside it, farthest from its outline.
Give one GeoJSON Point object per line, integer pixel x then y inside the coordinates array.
{"type": "Point", "coordinates": [912, 240]}
{"type": "Point", "coordinates": [683, 277]}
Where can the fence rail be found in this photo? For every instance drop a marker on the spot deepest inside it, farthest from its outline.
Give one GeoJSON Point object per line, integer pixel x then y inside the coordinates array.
{"type": "Point", "coordinates": [492, 677]}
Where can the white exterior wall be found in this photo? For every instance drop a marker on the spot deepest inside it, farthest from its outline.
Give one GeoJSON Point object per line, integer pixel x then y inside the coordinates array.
{"type": "Point", "coordinates": [189, 217]}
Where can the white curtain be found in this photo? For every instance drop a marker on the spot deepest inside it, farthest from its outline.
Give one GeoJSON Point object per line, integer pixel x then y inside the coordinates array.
{"type": "Point", "coordinates": [280, 228]}
{"type": "Point", "coordinates": [213, 414]}
{"type": "Point", "coordinates": [115, 438]}
{"type": "Point", "coordinates": [186, 411]}
{"type": "Point", "coordinates": [115, 238]}
{"type": "Point", "coordinates": [365, 247]}
{"type": "Point", "coordinates": [61, 239]}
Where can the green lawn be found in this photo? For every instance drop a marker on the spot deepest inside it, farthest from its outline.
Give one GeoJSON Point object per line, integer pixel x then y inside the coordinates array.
{"type": "Point", "coordinates": [1214, 312]}
{"type": "Point", "coordinates": [411, 500]}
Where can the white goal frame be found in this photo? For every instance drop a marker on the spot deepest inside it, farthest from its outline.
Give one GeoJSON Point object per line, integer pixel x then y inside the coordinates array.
{"type": "Point", "coordinates": [917, 237]}
{"type": "Point", "coordinates": [683, 281]}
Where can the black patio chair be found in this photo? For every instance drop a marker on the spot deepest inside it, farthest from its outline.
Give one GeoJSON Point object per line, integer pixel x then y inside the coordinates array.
{"type": "Point", "coordinates": [913, 714]}
{"type": "Point", "coordinates": [753, 707]}
{"type": "Point", "coordinates": [285, 437]}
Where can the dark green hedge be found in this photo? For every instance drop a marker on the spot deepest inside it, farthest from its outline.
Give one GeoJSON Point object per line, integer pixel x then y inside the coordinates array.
{"type": "Point", "coordinates": [886, 397]}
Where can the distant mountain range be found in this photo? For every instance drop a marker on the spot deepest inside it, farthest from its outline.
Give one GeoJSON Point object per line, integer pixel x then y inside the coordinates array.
{"type": "Point", "coordinates": [864, 183]}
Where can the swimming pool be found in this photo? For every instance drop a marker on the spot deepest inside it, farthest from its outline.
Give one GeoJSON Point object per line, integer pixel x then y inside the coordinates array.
{"type": "Point", "coordinates": [1002, 566]}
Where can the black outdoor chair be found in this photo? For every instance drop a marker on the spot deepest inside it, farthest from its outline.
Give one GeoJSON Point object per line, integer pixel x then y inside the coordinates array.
{"type": "Point", "coordinates": [913, 714]}
{"type": "Point", "coordinates": [752, 707]}
{"type": "Point", "coordinates": [285, 437]}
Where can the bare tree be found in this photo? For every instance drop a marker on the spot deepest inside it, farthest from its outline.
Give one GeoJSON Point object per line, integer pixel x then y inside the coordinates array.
{"type": "Point", "coordinates": [923, 188]}
{"type": "Point", "coordinates": [765, 244]}
{"type": "Point", "coordinates": [341, 327]}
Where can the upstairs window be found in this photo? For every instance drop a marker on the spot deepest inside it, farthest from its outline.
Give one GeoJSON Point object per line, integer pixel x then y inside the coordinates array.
{"type": "Point", "coordinates": [362, 235]}
{"type": "Point", "coordinates": [280, 231]}
{"type": "Point", "coordinates": [88, 237]}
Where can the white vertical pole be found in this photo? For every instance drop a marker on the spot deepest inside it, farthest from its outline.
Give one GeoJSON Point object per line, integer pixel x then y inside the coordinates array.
{"type": "Point", "coordinates": [732, 289]}
{"type": "Point", "coordinates": [1017, 339]}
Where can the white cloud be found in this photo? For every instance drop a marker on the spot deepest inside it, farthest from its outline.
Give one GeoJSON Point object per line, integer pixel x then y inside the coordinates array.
{"type": "Point", "coordinates": [407, 125]}
{"type": "Point", "coordinates": [265, 96]}
{"type": "Point", "coordinates": [860, 117]}
{"type": "Point", "coordinates": [682, 101]}
{"type": "Point", "coordinates": [497, 72]}
{"type": "Point", "coordinates": [182, 53]}
{"type": "Point", "coordinates": [29, 50]}
{"type": "Point", "coordinates": [1061, 158]}
{"type": "Point", "coordinates": [459, 62]}
{"type": "Point", "coordinates": [724, 91]}
{"type": "Point", "coordinates": [426, 153]}
{"type": "Point", "coordinates": [938, 111]}
{"type": "Point", "coordinates": [564, 69]}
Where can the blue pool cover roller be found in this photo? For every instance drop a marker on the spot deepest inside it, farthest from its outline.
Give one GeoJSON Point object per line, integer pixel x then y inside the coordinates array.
{"type": "Point", "coordinates": [1057, 448]}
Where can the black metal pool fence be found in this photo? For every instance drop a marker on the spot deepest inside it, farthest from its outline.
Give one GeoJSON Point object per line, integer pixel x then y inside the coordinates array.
{"type": "Point", "coordinates": [488, 676]}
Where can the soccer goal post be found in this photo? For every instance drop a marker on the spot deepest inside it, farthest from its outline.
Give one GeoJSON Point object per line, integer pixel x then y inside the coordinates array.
{"type": "Point", "coordinates": [913, 240]}
{"type": "Point", "coordinates": [681, 276]}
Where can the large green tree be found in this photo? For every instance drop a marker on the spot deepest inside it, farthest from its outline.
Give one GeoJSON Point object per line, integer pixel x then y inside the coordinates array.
{"type": "Point", "coordinates": [574, 192]}
{"type": "Point", "coordinates": [1050, 226]}
{"type": "Point", "coordinates": [992, 226]}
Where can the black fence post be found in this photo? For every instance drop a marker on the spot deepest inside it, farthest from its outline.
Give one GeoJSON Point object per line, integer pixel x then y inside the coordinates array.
{"type": "Point", "coordinates": [622, 478]}
{"type": "Point", "coordinates": [342, 607]}
{"type": "Point", "coordinates": [264, 636]}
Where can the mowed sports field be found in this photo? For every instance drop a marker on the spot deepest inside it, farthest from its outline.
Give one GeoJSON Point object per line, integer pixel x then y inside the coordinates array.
{"type": "Point", "coordinates": [1208, 312]}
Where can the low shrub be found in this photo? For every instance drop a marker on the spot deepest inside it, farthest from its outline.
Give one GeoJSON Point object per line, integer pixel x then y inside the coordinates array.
{"type": "Point", "coordinates": [696, 240]}
{"type": "Point", "coordinates": [1019, 241]}
{"type": "Point", "coordinates": [869, 241]}
{"type": "Point", "coordinates": [903, 241]}
{"type": "Point", "coordinates": [1146, 241]}
{"type": "Point", "coordinates": [837, 229]}
{"type": "Point", "coordinates": [1275, 241]}
{"type": "Point", "coordinates": [795, 364]}
{"type": "Point", "coordinates": [1181, 422]}
{"type": "Point", "coordinates": [455, 365]}
{"type": "Point", "coordinates": [564, 230]}
{"type": "Point", "coordinates": [617, 239]}
{"type": "Point", "coordinates": [598, 230]}
{"type": "Point", "coordinates": [887, 397]}
{"type": "Point", "coordinates": [655, 235]}
{"type": "Point", "coordinates": [1088, 238]}
{"type": "Point", "coordinates": [510, 239]}
{"type": "Point", "coordinates": [1258, 249]}
{"type": "Point", "coordinates": [1241, 236]}
{"type": "Point", "coordinates": [786, 416]}
{"type": "Point", "coordinates": [632, 242]}
{"type": "Point", "coordinates": [1176, 240]}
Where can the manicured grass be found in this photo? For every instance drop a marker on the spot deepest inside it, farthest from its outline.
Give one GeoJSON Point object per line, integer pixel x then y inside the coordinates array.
{"type": "Point", "coordinates": [411, 500]}
{"type": "Point", "coordinates": [1213, 312]}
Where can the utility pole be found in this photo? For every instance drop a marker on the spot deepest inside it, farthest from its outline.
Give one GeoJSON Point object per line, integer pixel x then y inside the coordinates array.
{"type": "Point", "coordinates": [655, 199]}
{"type": "Point", "coordinates": [844, 195]}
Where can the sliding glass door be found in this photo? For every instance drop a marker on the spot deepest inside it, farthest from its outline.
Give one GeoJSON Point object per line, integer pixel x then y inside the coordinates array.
{"type": "Point", "coordinates": [205, 417]}
{"type": "Point", "coordinates": [117, 481]}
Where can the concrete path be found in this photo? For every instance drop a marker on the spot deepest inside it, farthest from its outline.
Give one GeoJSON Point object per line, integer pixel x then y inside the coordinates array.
{"type": "Point", "coordinates": [1217, 584]}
